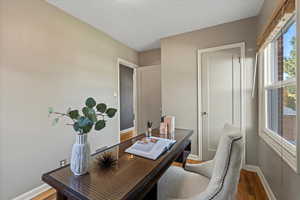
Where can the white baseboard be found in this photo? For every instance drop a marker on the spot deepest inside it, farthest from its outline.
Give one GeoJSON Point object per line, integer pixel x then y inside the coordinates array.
{"type": "Point", "coordinates": [251, 168]}
{"type": "Point", "coordinates": [263, 180]}
{"type": "Point", "coordinates": [127, 130]}
{"type": "Point", "coordinates": [193, 157]}
{"type": "Point", "coordinates": [33, 193]}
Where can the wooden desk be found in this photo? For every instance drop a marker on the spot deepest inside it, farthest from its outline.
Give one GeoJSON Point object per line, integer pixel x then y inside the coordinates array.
{"type": "Point", "coordinates": [132, 178]}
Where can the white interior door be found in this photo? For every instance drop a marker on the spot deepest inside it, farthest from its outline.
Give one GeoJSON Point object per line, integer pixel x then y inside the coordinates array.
{"type": "Point", "coordinates": [221, 96]}
{"type": "Point", "coordinates": [149, 96]}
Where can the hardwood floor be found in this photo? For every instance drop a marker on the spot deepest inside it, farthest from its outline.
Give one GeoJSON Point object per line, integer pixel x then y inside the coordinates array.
{"type": "Point", "coordinates": [48, 195]}
{"type": "Point", "coordinates": [127, 135]}
{"type": "Point", "coordinates": [249, 188]}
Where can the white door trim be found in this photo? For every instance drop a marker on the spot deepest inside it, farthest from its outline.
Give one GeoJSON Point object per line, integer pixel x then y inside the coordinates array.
{"type": "Point", "coordinates": [134, 67]}
{"type": "Point", "coordinates": [240, 45]}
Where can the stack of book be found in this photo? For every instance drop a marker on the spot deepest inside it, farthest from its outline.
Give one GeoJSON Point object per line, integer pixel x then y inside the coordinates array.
{"type": "Point", "coordinates": [150, 147]}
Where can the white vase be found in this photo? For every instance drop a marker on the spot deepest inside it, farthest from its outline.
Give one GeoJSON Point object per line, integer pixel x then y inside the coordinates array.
{"type": "Point", "coordinates": [80, 155]}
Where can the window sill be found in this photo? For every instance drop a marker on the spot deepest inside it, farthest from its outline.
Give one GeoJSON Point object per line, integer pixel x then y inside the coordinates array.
{"type": "Point", "coordinates": [281, 141]}
{"type": "Point", "coordinates": [284, 150]}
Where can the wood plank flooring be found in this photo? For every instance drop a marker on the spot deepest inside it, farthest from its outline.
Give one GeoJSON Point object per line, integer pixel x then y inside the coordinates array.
{"type": "Point", "coordinates": [48, 195]}
{"type": "Point", "coordinates": [250, 187]}
{"type": "Point", "coordinates": [127, 135]}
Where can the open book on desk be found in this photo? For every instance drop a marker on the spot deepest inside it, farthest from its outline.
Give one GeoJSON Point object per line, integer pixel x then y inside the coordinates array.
{"type": "Point", "coordinates": [150, 147]}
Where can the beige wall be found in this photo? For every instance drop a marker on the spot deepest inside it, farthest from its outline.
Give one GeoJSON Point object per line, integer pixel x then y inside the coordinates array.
{"type": "Point", "coordinates": [283, 181]}
{"type": "Point", "coordinates": [48, 58]}
{"type": "Point", "coordinates": [150, 57]}
{"type": "Point", "coordinates": [179, 75]}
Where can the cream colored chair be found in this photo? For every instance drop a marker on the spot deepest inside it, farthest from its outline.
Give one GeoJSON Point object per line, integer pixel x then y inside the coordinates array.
{"type": "Point", "coordinates": [213, 180]}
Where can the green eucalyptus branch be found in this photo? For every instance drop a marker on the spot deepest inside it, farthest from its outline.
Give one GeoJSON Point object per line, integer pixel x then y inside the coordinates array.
{"type": "Point", "coordinates": [84, 122]}
{"type": "Point", "coordinates": [62, 114]}
{"type": "Point", "coordinates": [101, 114]}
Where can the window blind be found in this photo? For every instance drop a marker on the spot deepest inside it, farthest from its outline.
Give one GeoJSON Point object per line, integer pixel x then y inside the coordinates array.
{"type": "Point", "coordinates": [281, 14]}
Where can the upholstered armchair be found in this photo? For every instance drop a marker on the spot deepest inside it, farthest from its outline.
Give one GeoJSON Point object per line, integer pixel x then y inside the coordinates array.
{"type": "Point", "coordinates": [213, 180]}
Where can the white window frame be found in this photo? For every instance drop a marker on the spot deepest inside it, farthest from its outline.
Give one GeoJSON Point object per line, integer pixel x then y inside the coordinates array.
{"type": "Point", "coordinates": [287, 151]}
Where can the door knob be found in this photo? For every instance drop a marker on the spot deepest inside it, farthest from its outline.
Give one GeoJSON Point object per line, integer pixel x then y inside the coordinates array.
{"type": "Point", "coordinates": [204, 113]}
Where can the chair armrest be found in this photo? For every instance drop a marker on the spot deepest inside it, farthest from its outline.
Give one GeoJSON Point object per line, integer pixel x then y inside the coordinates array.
{"type": "Point", "coordinates": [204, 169]}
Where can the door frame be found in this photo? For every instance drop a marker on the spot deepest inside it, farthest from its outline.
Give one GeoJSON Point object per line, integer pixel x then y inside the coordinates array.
{"type": "Point", "coordinates": [134, 67]}
{"type": "Point", "coordinates": [240, 45]}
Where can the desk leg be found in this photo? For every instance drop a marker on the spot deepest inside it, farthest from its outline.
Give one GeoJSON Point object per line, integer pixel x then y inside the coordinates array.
{"type": "Point", "coordinates": [182, 158]}
{"type": "Point", "coordinates": [186, 153]}
{"type": "Point", "coordinates": [152, 194]}
{"type": "Point", "coordinates": [60, 196]}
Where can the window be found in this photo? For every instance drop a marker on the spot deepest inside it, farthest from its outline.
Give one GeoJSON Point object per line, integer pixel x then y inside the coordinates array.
{"type": "Point", "coordinates": [280, 84]}
{"type": "Point", "coordinates": [278, 102]}
{"type": "Point", "coordinates": [279, 108]}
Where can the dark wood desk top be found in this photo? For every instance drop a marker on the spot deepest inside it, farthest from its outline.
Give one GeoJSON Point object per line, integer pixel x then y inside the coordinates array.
{"type": "Point", "coordinates": [129, 179]}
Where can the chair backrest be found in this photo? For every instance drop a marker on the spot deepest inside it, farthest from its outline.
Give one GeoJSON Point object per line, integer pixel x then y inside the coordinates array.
{"type": "Point", "coordinates": [228, 162]}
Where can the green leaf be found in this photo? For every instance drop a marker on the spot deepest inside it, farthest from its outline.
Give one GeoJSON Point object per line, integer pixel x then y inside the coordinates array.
{"type": "Point", "coordinates": [111, 112]}
{"type": "Point", "coordinates": [74, 114]}
{"type": "Point", "coordinates": [90, 113]}
{"type": "Point", "coordinates": [87, 128]}
{"type": "Point", "coordinates": [76, 126]}
{"type": "Point", "coordinates": [99, 125]}
{"type": "Point", "coordinates": [93, 117]}
{"type": "Point", "coordinates": [85, 111]}
{"type": "Point", "coordinates": [55, 121]}
{"type": "Point", "coordinates": [101, 107]}
{"type": "Point", "coordinates": [90, 102]}
{"type": "Point", "coordinates": [85, 124]}
{"type": "Point", "coordinates": [84, 121]}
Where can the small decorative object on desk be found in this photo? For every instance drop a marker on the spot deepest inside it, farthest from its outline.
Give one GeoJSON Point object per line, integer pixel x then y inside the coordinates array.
{"type": "Point", "coordinates": [149, 128]}
{"type": "Point", "coordinates": [80, 156]}
{"type": "Point", "coordinates": [170, 123]}
{"type": "Point", "coordinates": [82, 125]}
{"type": "Point", "coordinates": [106, 160]}
{"type": "Point", "coordinates": [163, 126]}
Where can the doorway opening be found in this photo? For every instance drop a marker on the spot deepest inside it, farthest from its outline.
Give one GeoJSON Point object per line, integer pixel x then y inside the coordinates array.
{"type": "Point", "coordinates": [221, 95]}
{"type": "Point", "coordinates": [127, 101]}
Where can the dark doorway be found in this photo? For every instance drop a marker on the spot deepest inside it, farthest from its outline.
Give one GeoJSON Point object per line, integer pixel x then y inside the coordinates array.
{"type": "Point", "coordinates": [126, 97]}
